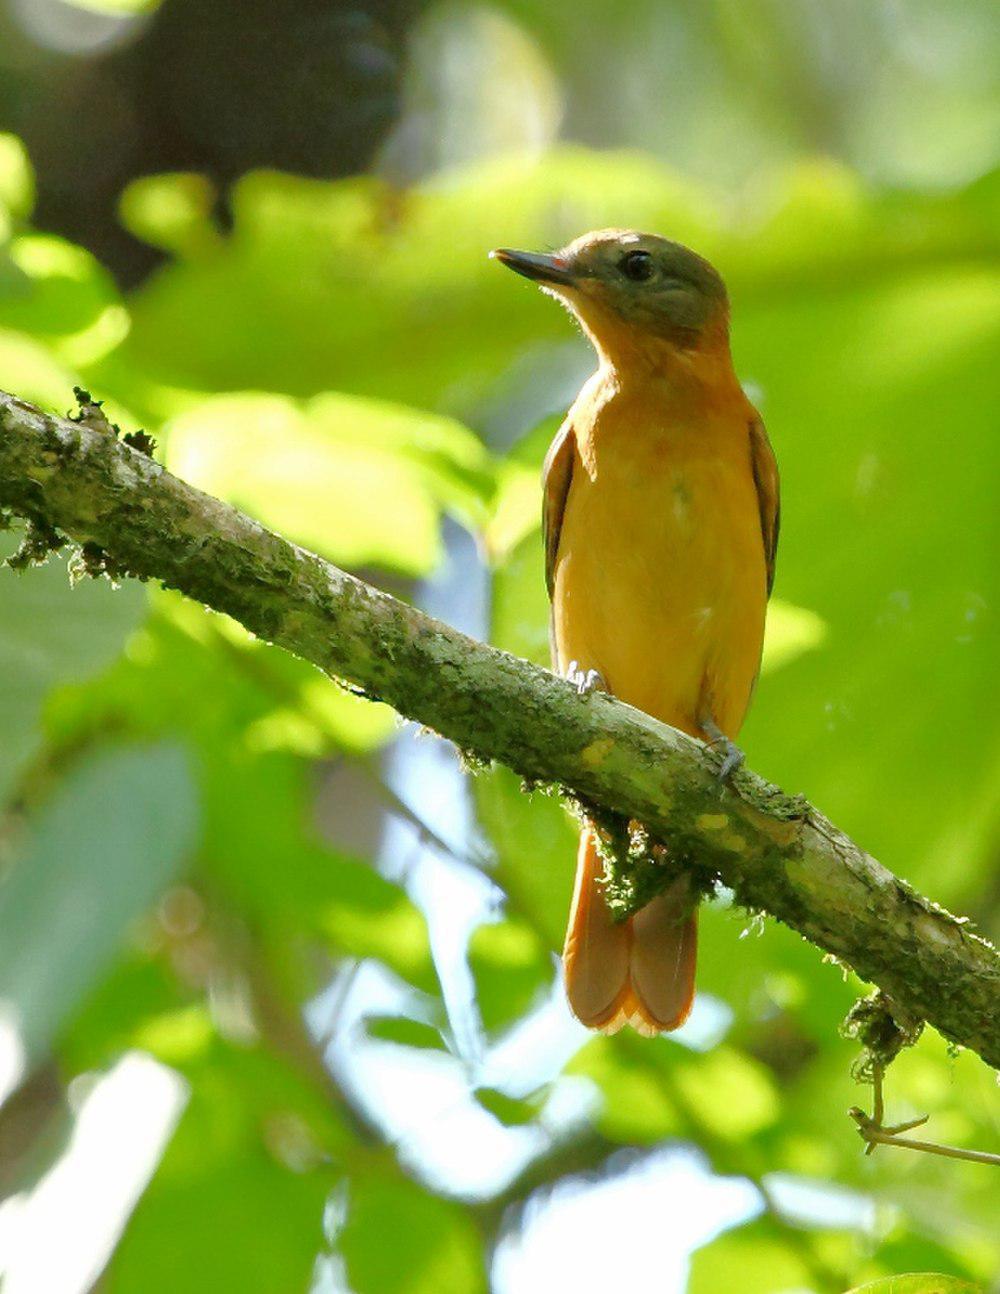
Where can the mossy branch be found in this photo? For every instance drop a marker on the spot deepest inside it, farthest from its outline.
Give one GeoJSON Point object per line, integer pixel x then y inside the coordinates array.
{"type": "Point", "coordinates": [777, 854]}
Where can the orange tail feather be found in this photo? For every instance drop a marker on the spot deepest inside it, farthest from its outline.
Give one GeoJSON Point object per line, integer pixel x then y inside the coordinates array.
{"type": "Point", "coordinates": [639, 971]}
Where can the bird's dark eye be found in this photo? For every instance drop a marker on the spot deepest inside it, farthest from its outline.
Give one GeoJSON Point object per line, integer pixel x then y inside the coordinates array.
{"type": "Point", "coordinates": [637, 266]}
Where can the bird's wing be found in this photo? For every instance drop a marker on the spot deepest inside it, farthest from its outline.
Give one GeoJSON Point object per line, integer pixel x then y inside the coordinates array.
{"type": "Point", "coordinates": [557, 474]}
{"type": "Point", "coordinates": [765, 476]}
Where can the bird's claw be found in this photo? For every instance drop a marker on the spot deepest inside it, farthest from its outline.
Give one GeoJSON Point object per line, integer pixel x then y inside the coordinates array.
{"type": "Point", "coordinates": [731, 760]}
{"type": "Point", "coordinates": [586, 681]}
{"type": "Point", "coordinates": [732, 756]}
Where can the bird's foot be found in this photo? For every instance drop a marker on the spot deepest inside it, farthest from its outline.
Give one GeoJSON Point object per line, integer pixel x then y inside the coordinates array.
{"type": "Point", "coordinates": [586, 681]}
{"type": "Point", "coordinates": [732, 756]}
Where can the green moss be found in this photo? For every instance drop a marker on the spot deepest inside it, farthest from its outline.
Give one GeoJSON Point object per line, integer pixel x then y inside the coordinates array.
{"type": "Point", "coordinates": [90, 561]}
{"type": "Point", "coordinates": [140, 440]}
{"type": "Point", "coordinates": [39, 541]}
{"type": "Point", "coordinates": [472, 761]}
{"type": "Point", "coordinates": [638, 866]}
{"type": "Point", "coordinates": [90, 413]}
{"type": "Point", "coordinates": [883, 1029]}
{"type": "Point", "coordinates": [771, 799]}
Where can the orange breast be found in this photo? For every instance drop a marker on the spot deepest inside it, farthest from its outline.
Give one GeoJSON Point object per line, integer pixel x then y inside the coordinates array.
{"type": "Point", "coordinates": [660, 576]}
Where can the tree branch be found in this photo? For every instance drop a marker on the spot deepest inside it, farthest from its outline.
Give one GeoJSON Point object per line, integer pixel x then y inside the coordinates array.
{"type": "Point", "coordinates": [777, 854]}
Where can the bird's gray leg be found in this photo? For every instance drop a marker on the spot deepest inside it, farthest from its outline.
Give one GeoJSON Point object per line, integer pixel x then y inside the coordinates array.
{"type": "Point", "coordinates": [732, 756]}
{"type": "Point", "coordinates": [586, 681]}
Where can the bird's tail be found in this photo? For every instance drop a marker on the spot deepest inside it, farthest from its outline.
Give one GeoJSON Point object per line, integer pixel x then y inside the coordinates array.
{"type": "Point", "coordinates": [639, 971]}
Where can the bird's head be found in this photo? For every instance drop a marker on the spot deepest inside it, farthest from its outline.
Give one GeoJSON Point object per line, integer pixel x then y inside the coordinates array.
{"type": "Point", "coordinates": [631, 291]}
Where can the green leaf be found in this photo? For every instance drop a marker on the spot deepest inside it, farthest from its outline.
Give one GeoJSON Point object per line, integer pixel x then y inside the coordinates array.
{"type": "Point", "coordinates": [237, 1203]}
{"type": "Point", "coordinates": [510, 967]}
{"type": "Point", "coordinates": [652, 1091]}
{"type": "Point", "coordinates": [906, 1250]}
{"type": "Point", "coordinates": [117, 7]}
{"type": "Point", "coordinates": [730, 1094]}
{"type": "Point", "coordinates": [206, 1230]}
{"type": "Point", "coordinates": [17, 180]}
{"type": "Point", "coordinates": [517, 507]}
{"type": "Point", "coordinates": [115, 833]}
{"type": "Point", "coordinates": [446, 457]}
{"type": "Point", "coordinates": [51, 634]}
{"type": "Point", "coordinates": [516, 510]}
{"type": "Point", "coordinates": [917, 1283]}
{"type": "Point", "coordinates": [761, 1255]}
{"type": "Point", "coordinates": [399, 1239]}
{"type": "Point", "coordinates": [138, 991]}
{"type": "Point", "coordinates": [172, 212]}
{"type": "Point", "coordinates": [636, 1106]}
{"type": "Point", "coordinates": [259, 841]}
{"type": "Point", "coordinates": [260, 844]}
{"type": "Point", "coordinates": [274, 700]}
{"type": "Point", "coordinates": [362, 481]}
{"type": "Point", "coordinates": [908, 578]}
{"type": "Point", "coordinates": [535, 842]}
{"type": "Point", "coordinates": [30, 368]}
{"type": "Point", "coordinates": [69, 300]}
{"type": "Point", "coordinates": [405, 1032]}
{"type": "Point", "coordinates": [790, 632]}
{"type": "Point", "coordinates": [520, 609]}
{"type": "Point", "coordinates": [511, 1111]}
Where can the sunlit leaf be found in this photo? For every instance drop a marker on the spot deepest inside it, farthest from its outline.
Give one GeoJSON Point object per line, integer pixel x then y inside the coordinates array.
{"type": "Point", "coordinates": [361, 481]}
{"type": "Point", "coordinates": [17, 180]}
{"type": "Point", "coordinates": [176, 1037]}
{"type": "Point", "coordinates": [728, 1093]}
{"type": "Point", "coordinates": [237, 1203]}
{"type": "Point", "coordinates": [114, 834]}
{"type": "Point", "coordinates": [399, 1239]}
{"type": "Point", "coordinates": [444, 456]}
{"type": "Point", "coordinates": [172, 212]}
{"type": "Point", "coordinates": [30, 368]}
{"type": "Point", "coordinates": [510, 967]}
{"type": "Point", "coordinates": [917, 1283]}
{"type": "Point", "coordinates": [511, 1111]}
{"type": "Point", "coordinates": [404, 1032]}
{"type": "Point", "coordinates": [762, 1256]}
{"type": "Point", "coordinates": [534, 838]}
{"type": "Point", "coordinates": [68, 299]}
{"type": "Point", "coordinates": [636, 1105]}
{"type": "Point", "coordinates": [790, 631]}
{"type": "Point", "coordinates": [50, 634]}
{"type": "Point", "coordinates": [516, 510]}
{"type": "Point", "coordinates": [115, 7]}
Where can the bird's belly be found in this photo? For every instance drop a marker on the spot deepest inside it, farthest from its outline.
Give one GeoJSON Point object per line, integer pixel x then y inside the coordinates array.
{"type": "Point", "coordinates": [660, 585]}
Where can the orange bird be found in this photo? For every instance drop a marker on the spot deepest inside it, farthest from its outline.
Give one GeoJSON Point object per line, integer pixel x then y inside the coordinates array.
{"type": "Point", "coordinates": [661, 525]}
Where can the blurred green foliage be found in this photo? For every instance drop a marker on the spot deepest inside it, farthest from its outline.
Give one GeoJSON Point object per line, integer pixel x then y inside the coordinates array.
{"type": "Point", "coordinates": [345, 364]}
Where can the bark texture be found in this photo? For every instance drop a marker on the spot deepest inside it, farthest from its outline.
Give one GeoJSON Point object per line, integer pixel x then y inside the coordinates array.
{"type": "Point", "coordinates": [776, 853]}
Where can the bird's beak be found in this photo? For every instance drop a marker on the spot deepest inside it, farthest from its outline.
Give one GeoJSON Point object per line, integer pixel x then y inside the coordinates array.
{"type": "Point", "coordinates": [534, 265]}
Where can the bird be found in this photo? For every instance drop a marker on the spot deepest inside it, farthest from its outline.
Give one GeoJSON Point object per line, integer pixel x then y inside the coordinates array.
{"type": "Point", "coordinates": [660, 522]}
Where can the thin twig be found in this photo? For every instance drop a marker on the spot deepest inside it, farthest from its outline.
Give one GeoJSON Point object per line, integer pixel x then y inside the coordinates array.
{"type": "Point", "coordinates": [874, 1131]}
